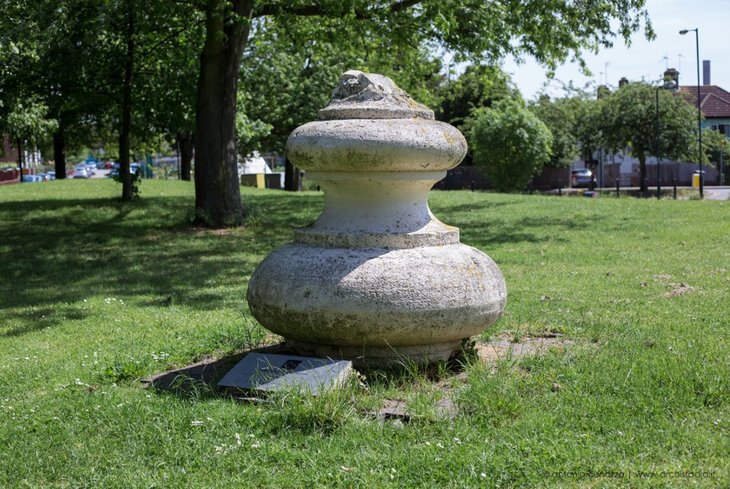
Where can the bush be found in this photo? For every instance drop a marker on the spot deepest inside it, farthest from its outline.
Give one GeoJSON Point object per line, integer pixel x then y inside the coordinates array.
{"type": "Point", "coordinates": [510, 143]}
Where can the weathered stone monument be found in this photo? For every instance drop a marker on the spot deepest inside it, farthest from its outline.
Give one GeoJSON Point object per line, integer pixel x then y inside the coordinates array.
{"type": "Point", "coordinates": [376, 278]}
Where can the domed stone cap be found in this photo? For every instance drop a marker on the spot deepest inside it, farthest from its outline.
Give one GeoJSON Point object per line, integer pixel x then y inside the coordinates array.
{"type": "Point", "coordinates": [369, 96]}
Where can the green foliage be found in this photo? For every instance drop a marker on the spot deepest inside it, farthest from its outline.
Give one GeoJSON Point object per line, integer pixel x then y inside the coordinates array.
{"type": "Point", "coordinates": [589, 127]}
{"type": "Point", "coordinates": [549, 31]}
{"type": "Point", "coordinates": [123, 370]}
{"type": "Point", "coordinates": [249, 133]}
{"type": "Point", "coordinates": [300, 411]}
{"type": "Point", "coordinates": [168, 69]}
{"type": "Point", "coordinates": [575, 123]}
{"type": "Point", "coordinates": [291, 66]}
{"type": "Point", "coordinates": [136, 179]}
{"type": "Point", "coordinates": [716, 146]}
{"type": "Point", "coordinates": [565, 118]}
{"type": "Point", "coordinates": [629, 119]}
{"type": "Point", "coordinates": [478, 87]}
{"type": "Point", "coordinates": [510, 143]}
{"type": "Point", "coordinates": [27, 122]}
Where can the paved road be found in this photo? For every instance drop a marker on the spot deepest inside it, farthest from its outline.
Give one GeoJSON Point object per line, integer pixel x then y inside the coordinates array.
{"type": "Point", "coordinates": [717, 193]}
{"type": "Point", "coordinates": [101, 174]}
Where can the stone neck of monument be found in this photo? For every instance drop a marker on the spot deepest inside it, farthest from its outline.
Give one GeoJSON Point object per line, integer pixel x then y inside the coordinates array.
{"type": "Point", "coordinates": [376, 278]}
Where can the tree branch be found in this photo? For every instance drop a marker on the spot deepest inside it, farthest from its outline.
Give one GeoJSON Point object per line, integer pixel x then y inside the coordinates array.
{"type": "Point", "coordinates": [170, 36]}
{"type": "Point", "coordinates": [318, 11]}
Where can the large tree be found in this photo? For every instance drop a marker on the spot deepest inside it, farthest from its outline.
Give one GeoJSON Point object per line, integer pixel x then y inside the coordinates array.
{"type": "Point", "coordinates": [549, 31]}
{"type": "Point", "coordinates": [284, 82]}
{"type": "Point", "coordinates": [478, 87]}
{"type": "Point", "coordinates": [68, 71]}
{"type": "Point", "coordinates": [561, 116]}
{"type": "Point", "coordinates": [510, 142]}
{"type": "Point", "coordinates": [628, 118]}
{"type": "Point", "coordinates": [103, 66]}
{"type": "Point", "coordinates": [575, 123]}
{"type": "Point", "coordinates": [27, 124]}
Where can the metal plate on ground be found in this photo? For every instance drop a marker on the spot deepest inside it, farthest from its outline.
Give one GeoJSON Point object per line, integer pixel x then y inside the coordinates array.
{"type": "Point", "coordinates": [270, 372]}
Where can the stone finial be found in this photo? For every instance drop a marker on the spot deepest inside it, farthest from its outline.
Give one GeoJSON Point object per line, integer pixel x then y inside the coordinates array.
{"type": "Point", "coordinates": [369, 96]}
{"type": "Point", "coordinates": [377, 277]}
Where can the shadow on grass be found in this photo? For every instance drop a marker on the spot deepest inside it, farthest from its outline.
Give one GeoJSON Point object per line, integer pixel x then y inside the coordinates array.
{"type": "Point", "coordinates": [58, 252]}
{"type": "Point", "coordinates": [200, 379]}
{"type": "Point", "coordinates": [494, 231]}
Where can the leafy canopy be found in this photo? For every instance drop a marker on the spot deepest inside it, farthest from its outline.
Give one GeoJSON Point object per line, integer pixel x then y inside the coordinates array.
{"type": "Point", "coordinates": [28, 122]}
{"type": "Point", "coordinates": [629, 118]}
{"type": "Point", "coordinates": [510, 142]}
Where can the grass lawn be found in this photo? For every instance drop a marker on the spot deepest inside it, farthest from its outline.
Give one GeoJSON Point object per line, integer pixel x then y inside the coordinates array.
{"type": "Point", "coordinates": [95, 294]}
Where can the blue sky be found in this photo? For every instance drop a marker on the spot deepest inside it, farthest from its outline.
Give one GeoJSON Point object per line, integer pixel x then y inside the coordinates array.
{"type": "Point", "coordinates": [644, 59]}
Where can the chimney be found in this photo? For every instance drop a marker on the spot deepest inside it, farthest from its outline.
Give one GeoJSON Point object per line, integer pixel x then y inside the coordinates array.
{"type": "Point", "coordinates": [706, 72]}
{"type": "Point", "coordinates": [671, 74]}
{"type": "Point", "coordinates": [623, 81]}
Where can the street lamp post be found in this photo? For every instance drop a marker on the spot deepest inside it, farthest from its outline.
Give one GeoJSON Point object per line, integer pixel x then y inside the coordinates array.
{"type": "Point", "coordinates": [668, 85]}
{"type": "Point", "coordinates": [699, 102]}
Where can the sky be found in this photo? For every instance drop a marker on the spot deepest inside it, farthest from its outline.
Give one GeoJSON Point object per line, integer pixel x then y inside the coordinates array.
{"type": "Point", "coordinates": [647, 60]}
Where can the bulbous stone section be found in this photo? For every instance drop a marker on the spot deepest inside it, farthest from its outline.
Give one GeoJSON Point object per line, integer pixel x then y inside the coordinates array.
{"type": "Point", "coordinates": [372, 303]}
{"type": "Point", "coordinates": [362, 145]}
{"type": "Point", "coordinates": [376, 278]}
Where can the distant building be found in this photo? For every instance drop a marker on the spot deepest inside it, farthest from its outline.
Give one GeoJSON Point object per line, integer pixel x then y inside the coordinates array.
{"type": "Point", "coordinates": [714, 103]}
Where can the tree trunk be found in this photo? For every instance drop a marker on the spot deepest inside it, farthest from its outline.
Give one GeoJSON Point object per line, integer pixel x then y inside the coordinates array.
{"type": "Point", "coordinates": [126, 129]}
{"type": "Point", "coordinates": [20, 160]}
{"type": "Point", "coordinates": [291, 177]}
{"type": "Point", "coordinates": [642, 174]}
{"type": "Point", "coordinates": [185, 143]}
{"type": "Point", "coordinates": [217, 192]}
{"type": "Point", "coordinates": [59, 153]}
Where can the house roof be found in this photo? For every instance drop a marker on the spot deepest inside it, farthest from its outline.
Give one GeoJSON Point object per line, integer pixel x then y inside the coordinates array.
{"type": "Point", "coordinates": [715, 101]}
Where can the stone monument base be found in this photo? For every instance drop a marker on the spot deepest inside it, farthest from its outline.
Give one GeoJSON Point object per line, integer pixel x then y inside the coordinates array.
{"type": "Point", "coordinates": [380, 356]}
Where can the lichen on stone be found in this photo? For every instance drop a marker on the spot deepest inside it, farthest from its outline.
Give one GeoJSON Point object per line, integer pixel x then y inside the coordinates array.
{"type": "Point", "coordinates": [370, 96]}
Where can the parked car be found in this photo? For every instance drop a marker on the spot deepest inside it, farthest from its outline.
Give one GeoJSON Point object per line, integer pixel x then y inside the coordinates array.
{"type": "Point", "coordinates": [80, 172]}
{"type": "Point", "coordinates": [32, 178]}
{"type": "Point", "coordinates": [581, 178]}
{"type": "Point", "coordinates": [134, 169]}
{"type": "Point", "coordinates": [45, 177]}
{"type": "Point", "coordinates": [52, 175]}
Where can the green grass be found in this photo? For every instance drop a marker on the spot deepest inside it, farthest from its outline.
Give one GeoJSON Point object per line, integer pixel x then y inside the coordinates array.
{"type": "Point", "coordinates": [95, 294]}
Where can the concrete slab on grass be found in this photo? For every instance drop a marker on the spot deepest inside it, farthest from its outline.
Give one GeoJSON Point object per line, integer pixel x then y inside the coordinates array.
{"type": "Point", "coordinates": [270, 372]}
